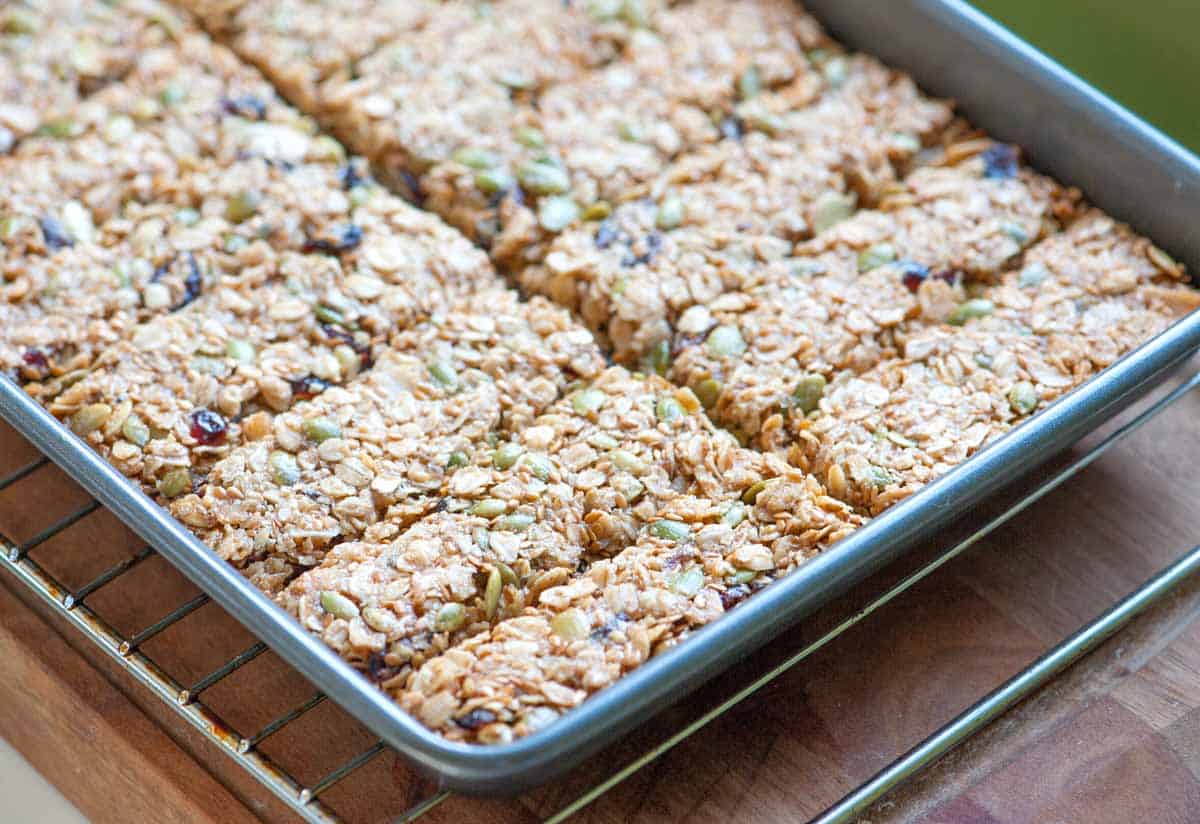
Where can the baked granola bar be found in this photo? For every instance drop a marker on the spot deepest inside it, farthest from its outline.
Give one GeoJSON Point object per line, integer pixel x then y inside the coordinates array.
{"type": "Point", "coordinates": [683, 573]}
{"type": "Point", "coordinates": [726, 217]}
{"type": "Point", "coordinates": [377, 450]}
{"type": "Point", "coordinates": [53, 53]}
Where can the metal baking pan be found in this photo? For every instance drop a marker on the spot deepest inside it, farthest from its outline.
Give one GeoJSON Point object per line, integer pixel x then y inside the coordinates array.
{"type": "Point", "coordinates": [1068, 129]}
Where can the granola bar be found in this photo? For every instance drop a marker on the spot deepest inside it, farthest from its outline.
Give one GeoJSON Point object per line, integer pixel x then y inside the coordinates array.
{"type": "Point", "coordinates": [684, 572]}
{"type": "Point", "coordinates": [53, 53]}
{"type": "Point", "coordinates": [377, 450]}
{"type": "Point", "coordinates": [388, 606]}
{"type": "Point", "coordinates": [723, 217]}
{"type": "Point", "coordinates": [173, 398]}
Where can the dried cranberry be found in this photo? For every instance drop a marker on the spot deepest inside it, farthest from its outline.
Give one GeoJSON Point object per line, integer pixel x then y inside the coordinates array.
{"type": "Point", "coordinates": [377, 667]}
{"type": "Point", "coordinates": [246, 105]}
{"type": "Point", "coordinates": [309, 387]}
{"type": "Point", "coordinates": [342, 239]}
{"type": "Point", "coordinates": [208, 428]}
{"type": "Point", "coordinates": [913, 275]}
{"type": "Point", "coordinates": [475, 719]}
{"type": "Point", "coordinates": [1001, 161]}
{"type": "Point", "coordinates": [733, 596]}
{"type": "Point", "coordinates": [37, 364]}
{"type": "Point", "coordinates": [193, 283]}
{"type": "Point", "coordinates": [36, 358]}
{"type": "Point", "coordinates": [55, 234]}
{"type": "Point", "coordinates": [606, 234]}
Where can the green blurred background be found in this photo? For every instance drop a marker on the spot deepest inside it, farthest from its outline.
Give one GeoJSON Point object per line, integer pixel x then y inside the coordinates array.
{"type": "Point", "coordinates": [1144, 54]}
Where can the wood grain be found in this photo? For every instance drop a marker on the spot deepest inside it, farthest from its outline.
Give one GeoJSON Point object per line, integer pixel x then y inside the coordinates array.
{"type": "Point", "coordinates": [1116, 739]}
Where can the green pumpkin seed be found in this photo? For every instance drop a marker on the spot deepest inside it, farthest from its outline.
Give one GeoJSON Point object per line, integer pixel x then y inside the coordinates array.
{"type": "Point", "coordinates": [516, 522]}
{"type": "Point", "coordinates": [284, 469]}
{"type": "Point", "coordinates": [587, 401]}
{"type": "Point", "coordinates": [626, 461]}
{"type": "Point", "coordinates": [175, 483]}
{"type": "Point", "coordinates": [669, 410]}
{"type": "Point", "coordinates": [531, 137]}
{"type": "Point", "coordinates": [808, 393]}
{"type": "Point", "coordinates": [491, 594]}
{"type": "Point", "coordinates": [327, 149]}
{"type": "Point", "coordinates": [450, 617]}
{"type": "Point", "coordinates": [1017, 232]}
{"type": "Point", "coordinates": [557, 213]}
{"type": "Point", "coordinates": [338, 605]}
{"type": "Point", "coordinates": [488, 508]}
{"type": "Point", "coordinates": [171, 94]}
{"type": "Point", "coordinates": [541, 466]}
{"type": "Point", "coordinates": [708, 391]}
{"type": "Point", "coordinates": [831, 208]}
{"type": "Point", "coordinates": [670, 530]}
{"type": "Point", "coordinates": [543, 178]}
{"type": "Point", "coordinates": [876, 256]}
{"type": "Point", "coordinates": [602, 440]}
{"type": "Point", "coordinates": [321, 429]}
{"type": "Point", "coordinates": [971, 309]}
{"type": "Point", "coordinates": [631, 488]}
{"type": "Point", "coordinates": [494, 181]}
{"type": "Point", "coordinates": [726, 342]}
{"type": "Point", "coordinates": [135, 430]}
{"type": "Point", "coordinates": [329, 315]}
{"type": "Point", "coordinates": [750, 496]}
{"type": "Point", "coordinates": [571, 625]}
{"type": "Point", "coordinates": [836, 72]}
{"type": "Point", "coordinates": [658, 359]}
{"type": "Point", "coordinates": [734, 515]}
{"type": "Point", "coordinates": [1033, 275]}
{"type": "Point", "coordinates": [457, 460]}
{"type": "Point", "coordinates": [506, 455]}
{"type": "Point", "coordinates": [907, 143]}
{"type": "Point", "coordinates": [749, 84]}
{"type": "Point", "coordinates": [670, 215]}
{"type": "Point", "coordinates": [600, 210]}
{"type": "Point", "coordinates": [243, 206]}
{"type": "Point", "coordinates": [90, 418]}
{"type": "Point", "coordinates": [445, 374]}
{"type": "Point", "coordinates": [881, 477]}
{"type": "Point", "coordinates": [742, 576]}
{"type": "Point", "coordinates": [631, 132]}
{"type": "Point", "coordinates": [507, 575]}
{"type": "Point", "coordinates": [688, 583]}
{"type": "Point", "coordinates": [1023, 398]}
{"type": "Point", "coordinates": [61, 128]}
{"type": "Point", "coordinates": [478, 159]}
{"type": "Point", "coordinates": [240, 350]}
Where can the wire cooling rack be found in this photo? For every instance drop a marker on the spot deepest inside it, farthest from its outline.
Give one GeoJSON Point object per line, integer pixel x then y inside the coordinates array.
{"type": "Point", "coordinates": [186, 697]}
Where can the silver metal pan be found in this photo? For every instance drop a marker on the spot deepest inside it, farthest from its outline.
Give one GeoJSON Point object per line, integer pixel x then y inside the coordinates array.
{"type": "Point", "coordinates": [1069, 130]}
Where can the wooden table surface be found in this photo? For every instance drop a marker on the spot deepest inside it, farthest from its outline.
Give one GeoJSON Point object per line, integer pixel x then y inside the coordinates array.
{"type": "Point", "coordinates": [1117, 739]}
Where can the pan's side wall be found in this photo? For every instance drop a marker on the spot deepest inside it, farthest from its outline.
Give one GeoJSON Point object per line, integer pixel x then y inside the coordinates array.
{"type": "Point", "coordinates": [1068, 129]}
